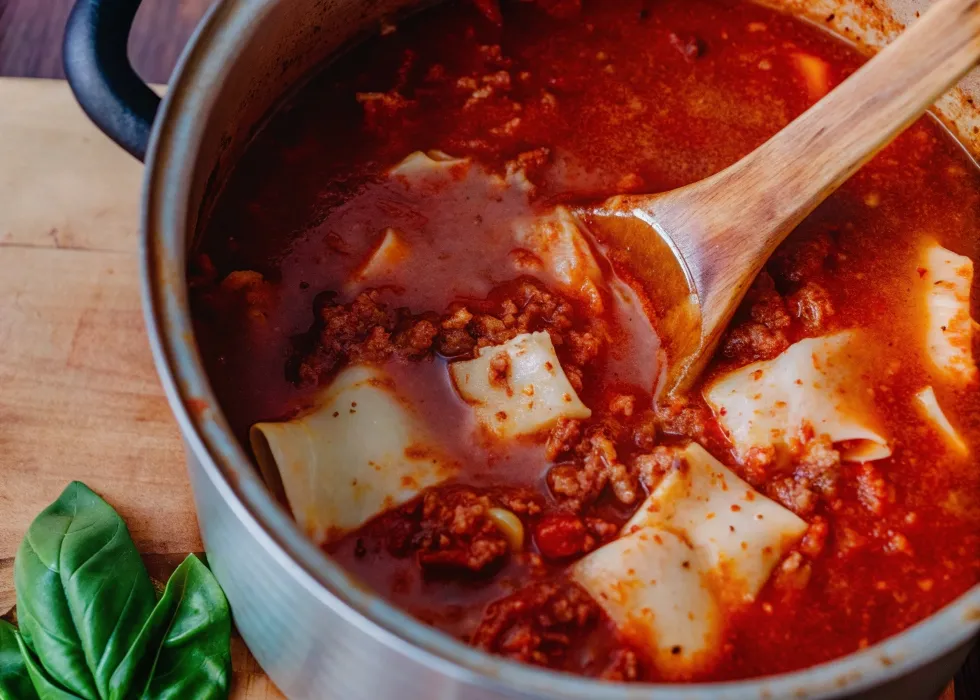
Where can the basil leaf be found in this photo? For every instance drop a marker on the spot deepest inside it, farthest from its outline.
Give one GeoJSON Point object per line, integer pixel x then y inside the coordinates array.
{"type": "Point", "coordinates": [184, 650]}
{"type": "Point", "coordinates": [83, 593]}
{"type": "Point", "coordinates": [42, 687]}
{"type": "Point", "coordinates": [15, 682]}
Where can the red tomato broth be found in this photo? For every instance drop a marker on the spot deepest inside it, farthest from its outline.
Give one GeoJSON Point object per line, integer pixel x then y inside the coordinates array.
{"type": "Point", "coordinates": [621, 106]}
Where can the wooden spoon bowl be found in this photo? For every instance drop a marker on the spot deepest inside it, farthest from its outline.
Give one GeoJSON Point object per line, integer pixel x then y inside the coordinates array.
{"type": "Point", "coordinates": [698, 248]}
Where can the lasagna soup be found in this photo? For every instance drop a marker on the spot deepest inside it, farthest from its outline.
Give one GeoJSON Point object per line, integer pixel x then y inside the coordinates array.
{"type": "Point", "coordinates": [454, 384]}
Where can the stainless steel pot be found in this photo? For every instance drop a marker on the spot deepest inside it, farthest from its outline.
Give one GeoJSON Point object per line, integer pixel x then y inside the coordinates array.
{"type": "Point", "coordinates": [315, 630]}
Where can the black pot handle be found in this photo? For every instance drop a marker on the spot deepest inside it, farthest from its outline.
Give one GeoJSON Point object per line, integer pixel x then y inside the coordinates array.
{"type": "Point", "coordinates": [101, 76]}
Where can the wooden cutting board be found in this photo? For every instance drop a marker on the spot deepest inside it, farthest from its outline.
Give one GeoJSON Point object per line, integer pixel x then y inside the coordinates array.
{"type": "Point", "coordinates": [79, 397]}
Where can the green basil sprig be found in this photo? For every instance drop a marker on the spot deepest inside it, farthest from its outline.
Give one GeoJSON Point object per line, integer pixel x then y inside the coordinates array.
{"type": "Point", "coordinates": [15, 681]}
{"type": "Point", "coordinates": [90, 625]}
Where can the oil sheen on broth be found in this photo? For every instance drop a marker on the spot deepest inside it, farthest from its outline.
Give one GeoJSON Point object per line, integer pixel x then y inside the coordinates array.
{"type": "Point", "coordinates": [390, 274]}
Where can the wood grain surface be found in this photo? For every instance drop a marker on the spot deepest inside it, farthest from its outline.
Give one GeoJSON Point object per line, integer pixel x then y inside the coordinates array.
{"type": "Point", "coordinates": [78, 395]}
{"type": "Point", "coordinates": [31, 31]}
{"type": "Point", "coordinates": [79, 398]}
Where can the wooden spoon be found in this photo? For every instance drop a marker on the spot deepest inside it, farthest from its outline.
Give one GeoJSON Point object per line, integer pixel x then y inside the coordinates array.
{"type": "Point", "coordinates": [710, 239]}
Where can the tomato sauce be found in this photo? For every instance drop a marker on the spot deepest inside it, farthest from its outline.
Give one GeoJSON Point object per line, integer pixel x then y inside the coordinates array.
{"type": "Point", "coordinates": [615, 96]}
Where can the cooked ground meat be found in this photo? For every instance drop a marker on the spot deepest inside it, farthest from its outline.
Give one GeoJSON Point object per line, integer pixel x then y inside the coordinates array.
{"type": "Point", "coordinates": [819, 464]}
{"type": "Point", "coordinates": [751, 341]}
{"type": "Point", "coordinates": [815, 473]}
{"type": "Point", "coordinates": [800, 258]}
{"type": "Point", "coordinates": [415, 341]}
{"type": "Point", "coordinates": [447, 529]}
{"type": "Point", "coordinates": [693, 420]}
{"type": "Point", "coordinates": [563, 437]}
{"type": "Point", "coordinates": [655, 465]}
{"type": "Point", "coordinates": [383, 108]}
{"type": "Point", "coordinates": [455, 532]}
{"type": "Point", "coordinates": [538, 624]}
{"type": "Point", "coordinates": [602, 529]}
{"type": "Point", "coordinates": [645, 431]}
{"type": "Point", "coordinates": [766, 306]}
{"type": "Point", "coordinates": [792, 575]}
{"type": "Point", "coordinates": [367, 330]}
{"type": "Point", "coordinates": [622, 665]}
{"type": "Point", "coordinates": [793, 493]}
{"type": "Point", "coordinates": [520, 500]}
{"type": "Point", "coordinates": [689, 46]}
{"type": "Point", "coordinates": [580, 484]}
{"type": "Point", "coordinates": [360, 331]}
{"type": "Point", "coordinates": [874, 491]}
{"type": "Point", "coordinates": [812, 305]}
{"type": "Point", "coordinates": [622, 405]}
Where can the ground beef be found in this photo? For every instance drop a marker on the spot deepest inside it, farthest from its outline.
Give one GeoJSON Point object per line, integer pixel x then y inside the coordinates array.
{"type": "Point", "coordinates": [578, 484]}
{"type": "Point", "coordinates": [819, 465]}
{"type": "Point", "coordinates": [812, 305]}
{"type": "Point", "coordinates": [766, 305]}
{"type": "Point", "coordinates": [874, 491]}
{"type": "Point", "coordinates": [622, 405]}
{"type": "Point", "coordinates": [689, 46]}
{"type": "Point", "coordinates": [584, 347]}
{"type": "Point", "coordinates": [538, 624]}
{"type": "Point", "coordinates": [531, 163]}
{"type": "Point", "coordinates": [448, 530]}
{"type": "Point", "coordinates": [645, 431]}
{"type": "Point", "coordinates": [792, 575]}
{"type": "Point", "coordinates": [520, 500]}
{"type": "Point", "coordinates": [815, 539]}
{"type": "Point", "coordinates": [793, 493]}
{"type": "Point", "coordinates": [800, 258]}
{"type": "Point", "coordinates": [815, 475]}
{"type": "Point", "coordinates": [381, 109]}
{"type": "Point", "coordinates": [655, 465]}
{"type": "Point", "coordinates": [364, 330]}
{"type": "Point", "coordinates": [750, 341]}
{"type": "Point", "coordinates": [455, 532]}
{"type": "Point", "coordinates": [622, 665]}
{"type": "Point", "coordinates": [693, 420]}
{"type": "Point", "coordinates": [367, 330]}
{"type": "Point", "coordinates": [563, 437]}
{"type": "Point", "coordinates": [415, 340]}
{"type": "Point", "coordinates": [602, 530]}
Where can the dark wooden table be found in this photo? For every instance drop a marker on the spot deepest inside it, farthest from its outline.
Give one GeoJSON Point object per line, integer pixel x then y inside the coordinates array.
{"type": "Point", "coordinates": [30, 46]}
{"type": "Point", "coordinates": [30, 36]}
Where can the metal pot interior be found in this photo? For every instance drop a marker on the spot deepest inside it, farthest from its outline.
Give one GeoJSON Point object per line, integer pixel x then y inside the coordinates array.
{"type": "Point", "coordinates": [243, 59]}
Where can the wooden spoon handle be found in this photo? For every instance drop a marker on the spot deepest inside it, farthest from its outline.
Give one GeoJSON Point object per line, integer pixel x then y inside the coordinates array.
{"type": "Point", "coordinates": [725, 227]}
{"type": "Point", "coordinates": [783, 180]}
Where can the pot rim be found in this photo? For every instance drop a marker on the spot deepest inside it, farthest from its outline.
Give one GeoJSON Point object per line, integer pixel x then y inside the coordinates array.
{"type": "Point", "coordinates": [176, 137]}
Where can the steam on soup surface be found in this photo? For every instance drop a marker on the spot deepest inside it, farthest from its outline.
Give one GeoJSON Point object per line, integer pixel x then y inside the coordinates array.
{"type": "Point", "coordinates": [453, 383]}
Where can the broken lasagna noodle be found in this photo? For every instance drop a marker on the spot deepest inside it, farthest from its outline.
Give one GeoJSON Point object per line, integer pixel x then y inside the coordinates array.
{"type": "Point", "coordinates": [453, 383]}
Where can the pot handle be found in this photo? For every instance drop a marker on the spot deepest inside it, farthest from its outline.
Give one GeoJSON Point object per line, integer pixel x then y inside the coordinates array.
{"type": "Point", "coordinates": [99, 72]}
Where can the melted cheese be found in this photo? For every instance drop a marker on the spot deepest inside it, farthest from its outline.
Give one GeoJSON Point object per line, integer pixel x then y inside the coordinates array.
{"type": "Point", "coordinates": [929, 405]}
{"type": "Point", "coordinates": [532, 396]}
{"type": "Point", "coordinates": [557, 240]}
{"type": "Point", "coordinates": [361, 452]}
{"type": "Point", "coordinates": [815, 385]}
{"type": "Point", "coordinates": [703, 544]}
{"type": "Point", "coordinates": [945, 279]}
